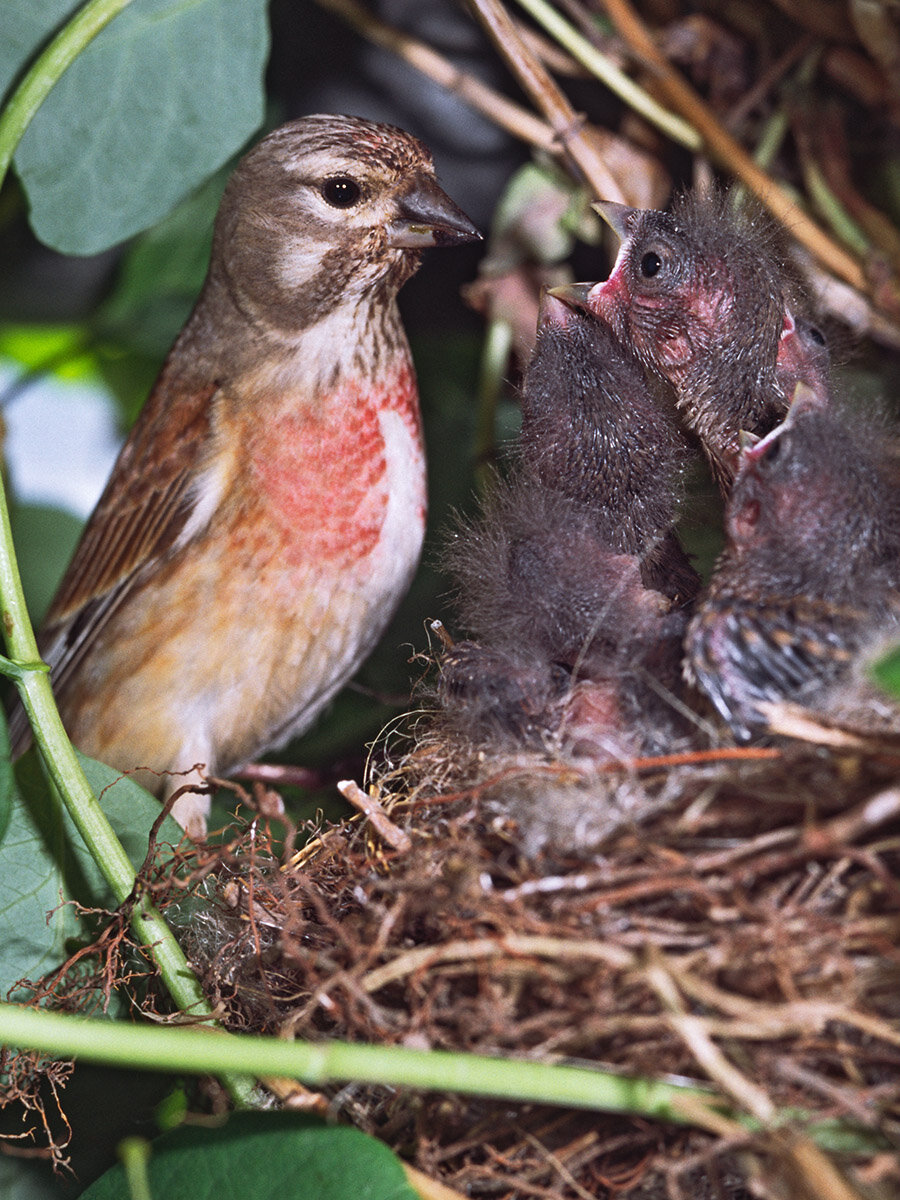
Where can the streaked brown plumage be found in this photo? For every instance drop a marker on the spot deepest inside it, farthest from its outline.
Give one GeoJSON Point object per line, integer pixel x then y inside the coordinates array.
{"type": "Point", "coordinates": [266, 513]}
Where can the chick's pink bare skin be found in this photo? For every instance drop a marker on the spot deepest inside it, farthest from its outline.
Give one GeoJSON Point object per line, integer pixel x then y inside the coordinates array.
{"type": "Point", "coordinates": [803, 357]}
{"type": "Point", "coordinates": [706, 298]}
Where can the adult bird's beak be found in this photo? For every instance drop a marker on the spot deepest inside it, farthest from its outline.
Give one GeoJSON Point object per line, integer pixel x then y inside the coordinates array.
{"type": "Point", "coordinates": [619, 217]}
{"type": "Point", "coordinates": [426, 216]}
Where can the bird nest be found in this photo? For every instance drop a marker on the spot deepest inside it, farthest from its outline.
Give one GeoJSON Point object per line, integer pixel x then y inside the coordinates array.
{"type": "Point", "coordinates": [727, 920]}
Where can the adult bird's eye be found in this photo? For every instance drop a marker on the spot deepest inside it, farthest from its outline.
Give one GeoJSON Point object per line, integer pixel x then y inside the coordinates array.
{"type": "Point", "coordinates": [341, 191]}
{"type": "Point", "coordinates": [650, 264]}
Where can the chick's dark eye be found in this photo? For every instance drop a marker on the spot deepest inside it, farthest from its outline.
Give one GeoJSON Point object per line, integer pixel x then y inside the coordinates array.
{"type": "Point", "coordinates": [650, 264]}
{"type": "Point", "coordinates": [772, 452]}
{"type": "Point", "coordinates": [341, 191]}
{"type": "Point", "coordinates": [816, 335]}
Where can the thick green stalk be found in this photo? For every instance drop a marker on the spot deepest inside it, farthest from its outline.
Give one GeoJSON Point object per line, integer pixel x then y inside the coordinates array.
{"type": "Point", "coordinates": [134, 1154]}
{"type": "Point", "coordinates": [494, 361]}
{"type": "Point", "coordinates": [317, 1064]}
{"type": "Point", "coordinates": [63, 768]}
{"type": "Point", "coordinates": [200, 1051]}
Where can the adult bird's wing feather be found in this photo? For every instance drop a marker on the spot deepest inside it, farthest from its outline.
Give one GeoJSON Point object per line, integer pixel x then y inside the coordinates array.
{"type": "Point", "coordinates": [137, 520]}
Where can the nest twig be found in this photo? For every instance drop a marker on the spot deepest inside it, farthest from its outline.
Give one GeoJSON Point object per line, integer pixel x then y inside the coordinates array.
{"type": "Point", "coordinates": [730, 923]}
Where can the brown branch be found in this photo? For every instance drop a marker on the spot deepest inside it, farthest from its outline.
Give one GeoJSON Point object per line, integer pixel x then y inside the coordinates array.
{"type": "Point", "coordinates": [504, 112]}
{"type": "Point", "coordinates": [508, 946]}
{"type": "Point", "coordinates": [876, 811]}
{"type": "Point", "coordinates": [692, 1030]}
{"type": "Point", "coordinates": [397, 838]}
{"type": "Point", "coordinates": [767, 81]}
{"type": "Point", "coordinates": [553, 56]}
{"type": "Point", "coordinates": [428, 1188]}
{"type": "Point", "coordinates": [619, 170]}
{"type": "Point", "coordinates": [541, 89]}
{"type": "Point", "coordinates": [727, 151]}
{"type": "Point", "coordinates": [696, 758]}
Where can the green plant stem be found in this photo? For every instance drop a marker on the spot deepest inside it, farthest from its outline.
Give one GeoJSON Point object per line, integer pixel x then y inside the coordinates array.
{"type": "Point", "coordinates": [199, 1051]}
{"type": "Point", "coordinates": [832, 209]}
{"type": "Point", "coordinates": [134, 1153]}
{"type": "Point", "coordinates": [494, 362]}
{"type": "Point", "coordinates": [604, 69]}
{"type": "Point", "coordinates": [64, 770]}
{"type": "Point", "coordinates": [45, 71]}
{"type": "Point", "coordinates": [24, 665]}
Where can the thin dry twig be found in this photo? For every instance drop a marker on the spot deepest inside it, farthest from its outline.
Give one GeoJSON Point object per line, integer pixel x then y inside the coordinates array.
{"type": "Point", "coordinates": [536, 947]}
{"type": "Point", "coordinates": [874, 812]}
{"type": "Point", "coordinates": [768, 943]}
{"type": "Point", "coordinates": [537, 83]}
{"type": "Point", "coordinates": [818, 1178]}
{"type": "Point", "coordinates": [727, 151]}
{"type": "Point", "coordinates": [427, 1188]}
{"type": "Point", "coordinates": [369, 806]}
{"type": "Point", "coordinates": [692, 1029]}
{"type": "Point", "coordinates": [515, 119]}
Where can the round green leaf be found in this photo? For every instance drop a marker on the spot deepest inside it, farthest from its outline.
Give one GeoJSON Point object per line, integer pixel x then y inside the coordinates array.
{"type": "Point", "coordinates": [44, 862]}
{"type": "Point", "coordinates": [265, 1156]}
{"type": "Point", "coordinates": [164, 95]}
{"type": "Point", "coordinates": [26, 27]}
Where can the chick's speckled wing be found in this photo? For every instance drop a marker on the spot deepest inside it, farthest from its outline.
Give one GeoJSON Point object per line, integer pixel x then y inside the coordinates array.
{"type": "Point", "coordinates": [743, 651]}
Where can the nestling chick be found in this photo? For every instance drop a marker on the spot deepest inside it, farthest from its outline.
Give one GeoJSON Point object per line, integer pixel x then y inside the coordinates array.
{"type": "Point", "coordinates": [810, 573]}
{"type": "Point", "coordinates": [560, 570]}
{"type": "Point", "coordinates": [704, 295]}
{"type": "Point", "coordinates": [804, 357]}
{"type": "Point", "coordinates": [537, 575]}
{"type": "Point", "coordinates": [488, 689]}
{"type": "Point", "coordinates": [592, 430]}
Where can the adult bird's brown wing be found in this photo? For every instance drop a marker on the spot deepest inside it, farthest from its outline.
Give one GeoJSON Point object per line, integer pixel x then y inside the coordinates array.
{"type": "Point", "coordinates": [143, 509]}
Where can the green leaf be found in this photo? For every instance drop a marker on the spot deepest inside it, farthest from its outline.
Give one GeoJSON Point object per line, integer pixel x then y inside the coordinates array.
{"type": "Point", "coordinates": [7, 780]}
{"type": "Point", "coordinates": [43, 862]}
{"type": "Point", "coordinates": [162, 97]}
{"type": "Point", "coordinates": [887, 671]}
{"type": "Point", "coordinates": [161, 275]}
{"type": "Point", "coordinates": [26, 27]}
{"type": "Point", "coordinates": [45, 539]}
{"type": "Point", "coordinates": [539, 216]}
{"type": "Point", "coordinates": [265, 1156]}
